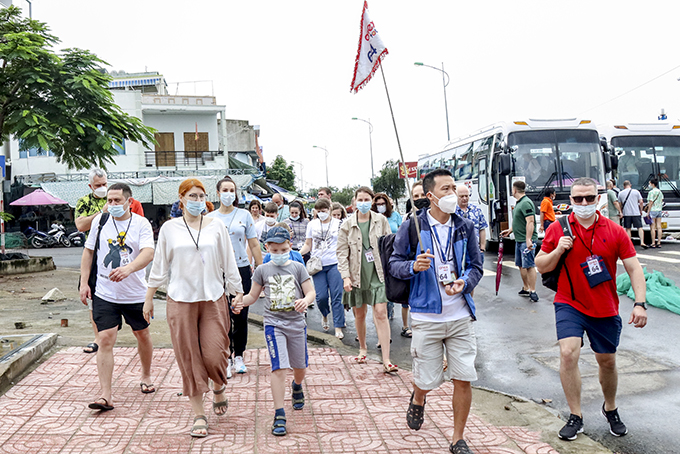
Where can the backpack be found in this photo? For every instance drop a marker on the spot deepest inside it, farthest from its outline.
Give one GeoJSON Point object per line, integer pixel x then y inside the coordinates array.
{"type": "Point", "coordinates": [551, 278]}
{"type": "Point", "coordinates": [397, 290]}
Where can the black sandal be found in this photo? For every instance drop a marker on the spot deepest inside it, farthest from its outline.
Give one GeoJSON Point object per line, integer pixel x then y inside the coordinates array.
{"type": "Point", "coordinates": [298, 397]}
{"type": "Point", "coordinates": [460, 448]}
{"type": "Point", "coordinates": [415, 414]}
{"type": "Point", "coordinates": [93, 347]}
{"type": "Point", "coordinates": [279, 426]}
{"type": "Point", "coordinates": [99, 406]}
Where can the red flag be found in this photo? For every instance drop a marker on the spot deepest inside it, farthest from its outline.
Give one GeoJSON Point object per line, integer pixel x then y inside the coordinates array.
{"type": "Point", "coordinates": [370, 53]}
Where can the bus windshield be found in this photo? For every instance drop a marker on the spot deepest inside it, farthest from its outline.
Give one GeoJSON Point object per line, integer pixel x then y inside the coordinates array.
{"type": "Point", "coordinates": [555, 158]}
{"type": "Point", "coordinates": [639, 154]}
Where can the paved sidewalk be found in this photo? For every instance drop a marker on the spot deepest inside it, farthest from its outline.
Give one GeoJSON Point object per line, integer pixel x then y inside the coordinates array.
{"type": "Point", "coordinates": [349, 408]}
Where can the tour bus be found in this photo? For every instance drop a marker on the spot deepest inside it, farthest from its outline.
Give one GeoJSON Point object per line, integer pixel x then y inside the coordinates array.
{"type": "Point", "coordinates": [542, 153]}
{"type": "Point", "coordinates": [646, 151]}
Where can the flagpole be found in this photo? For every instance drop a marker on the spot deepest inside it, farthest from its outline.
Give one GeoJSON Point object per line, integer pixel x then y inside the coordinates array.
{"type": "Point", "coordinates": [402, 162]}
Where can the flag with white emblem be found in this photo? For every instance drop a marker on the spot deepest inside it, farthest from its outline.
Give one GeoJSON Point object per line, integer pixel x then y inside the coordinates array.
{"type": "Point", "coordinates": [370, 53]}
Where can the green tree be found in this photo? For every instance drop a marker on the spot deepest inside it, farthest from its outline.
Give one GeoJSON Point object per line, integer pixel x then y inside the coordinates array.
{"type": "Point", "coordinates": [283, 173]}
{"type": "Point", "coordinates": [389, 182]}
{"type": "Point", "coordinates": [344, 195]}
{"type": "Point", "coordinates": [59, 101]}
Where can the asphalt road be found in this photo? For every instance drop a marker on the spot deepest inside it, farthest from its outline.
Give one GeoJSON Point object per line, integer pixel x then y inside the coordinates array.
{"type": "Point", "coordinates": [518, 353]}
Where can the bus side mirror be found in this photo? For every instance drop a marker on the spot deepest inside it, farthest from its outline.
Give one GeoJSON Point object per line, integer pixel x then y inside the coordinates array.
{"type": "Point", "coordinates": [504, 164]}
{"type": "Point", "coordinates": [614, 161]}
{"type": "Point", "coordinates": [607, 158]}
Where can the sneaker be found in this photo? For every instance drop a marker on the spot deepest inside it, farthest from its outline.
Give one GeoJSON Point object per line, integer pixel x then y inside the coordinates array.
{"type": "Point", "coordinates": [229, 368]}
{"type": "Point", "coordinates": [523, 293]}
{"type": "Point", "coordinates": [239, 366]}
{"type": "Point", "coordinates": [573, 427]}
{"type": "Point", "coordinates": [533, 296]}
{"type": "Point", "coordinates": [616, 427]}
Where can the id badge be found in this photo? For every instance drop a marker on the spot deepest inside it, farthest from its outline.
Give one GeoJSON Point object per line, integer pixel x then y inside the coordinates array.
{"type": "Point", "coordinates": [124, 257]}
{"type": "Point", "coordinates": [444, 274]}
{"type": "Point", "coordinates": [595, 271]}
{"type": "Point", "coordinates": [369, 256]}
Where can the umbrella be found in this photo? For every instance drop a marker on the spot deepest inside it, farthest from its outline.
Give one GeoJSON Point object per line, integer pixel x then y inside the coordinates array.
{"type": "Point", "coordinates": [38, 197]}
{"type": "Point", "coordinates": [499, 266]}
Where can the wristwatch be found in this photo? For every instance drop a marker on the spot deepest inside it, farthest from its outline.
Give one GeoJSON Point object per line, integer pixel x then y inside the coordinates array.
{"type": "Point", "coordinates": [642, 305]}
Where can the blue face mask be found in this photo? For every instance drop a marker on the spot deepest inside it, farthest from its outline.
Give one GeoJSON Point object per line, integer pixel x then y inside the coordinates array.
{"type": "Point", "coordinates": [195, 208]}
{"type": "Point", "coordinates": [294, 218]}
{"type": "Point", "coordinates": [364, 207]}
{"type": "Point", "coordinates": [280, 259]}
{"type": "Point", "coordinates": [227, 198]}
{"type": "Point", "coordinates": [117, 211]}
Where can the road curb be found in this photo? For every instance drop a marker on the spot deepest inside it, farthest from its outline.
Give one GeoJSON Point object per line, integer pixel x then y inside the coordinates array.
{"type": "Point", "coordinates": [24, 357]}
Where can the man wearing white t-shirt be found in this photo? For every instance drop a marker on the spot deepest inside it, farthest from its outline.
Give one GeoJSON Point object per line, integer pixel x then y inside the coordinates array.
{"type": "Point", "coordinates": [442, 310]}
{"type": "Point", "coordinates": [126, 247]}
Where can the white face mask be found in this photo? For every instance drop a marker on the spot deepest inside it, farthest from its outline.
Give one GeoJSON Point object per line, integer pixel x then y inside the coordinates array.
{"type": "Point", "coordinates": [270, 221]}
{"type": "Point", "coordinates": [382, 209]}
{"type": "Point", "coordinates": [227, 198]}
{"type": "Point", "coordinates": [584, 211]}
{"type": "Point", "coordinates": [100, 192]}
{"type": "Point", "coordinates": [323, 215]}
{"type": "Point", "coordinates": [448, 203]}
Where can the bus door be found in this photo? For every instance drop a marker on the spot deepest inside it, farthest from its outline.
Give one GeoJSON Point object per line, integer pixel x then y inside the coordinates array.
{"type": "Point", "coordinates": [498, 196]}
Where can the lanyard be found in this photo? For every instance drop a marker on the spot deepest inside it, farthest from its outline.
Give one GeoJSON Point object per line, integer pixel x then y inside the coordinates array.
{"type": "Point", "coordinates": [200, 227]}
{"type": "Point", "coordinates": [592, 238]}
{"type": "Point", "coordinates": [444, 253]}
{"type": "Point", "coordinates": [121, 239]}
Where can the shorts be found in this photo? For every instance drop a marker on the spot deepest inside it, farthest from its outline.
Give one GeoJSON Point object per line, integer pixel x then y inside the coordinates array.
{"type": "Point", "coordinates": [287, 346]}
{"type": "Point", "coordinates": [546, 224]}
{"type": "Point", "coordinates": [632, 221]}
{"type": "Point", "coordinates": [427, 350]}
{"type": "Point", "coordinates": [524, 259]}
{"type": "Point", "coordinates": [603, 333]}
{"type": "Point", "coordinates": [108, 315]}
{"type": "Point", "coordinates": [655, 214]}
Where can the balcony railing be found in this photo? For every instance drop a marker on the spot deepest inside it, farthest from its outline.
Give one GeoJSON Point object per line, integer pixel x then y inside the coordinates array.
{"type": "Point", "coordinates": [184, 159]}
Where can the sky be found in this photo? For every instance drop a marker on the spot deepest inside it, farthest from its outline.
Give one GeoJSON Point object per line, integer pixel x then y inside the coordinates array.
{"type": "Point", "coordinates": [287, 66]}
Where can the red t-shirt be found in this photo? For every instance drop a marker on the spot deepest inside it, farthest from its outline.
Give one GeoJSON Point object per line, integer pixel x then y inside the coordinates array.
{"type": "Point", "coordinates": [611, 243]}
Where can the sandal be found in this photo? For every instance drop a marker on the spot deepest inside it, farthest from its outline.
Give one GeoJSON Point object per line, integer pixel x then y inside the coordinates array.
{"type": "Point", "coordinates": [390, 368]}
{"type": "Point", "coordinates": [415, 414]}
{"type": "Point", "coordinates": [279, 426]}
{"type": "Point", "coordinates": [297, 397]}
{"type": "Point", "coordinates": [92, 346]}
{"type": "Point", "coordinates": [361, 359]}
{"type": "Point", "coordinates": [196, 427]}
{"type": "Point", "coordinates": [99, 406]}
{"type": "Point", "coordinates": [340, 335]}
{"type": "Point", "coordinates": [459, 448]}
{"type": "Point", "coordinates": [147, 389]}
{"type": "Point", "coordinates": [324, 325]}
{"type": "Point", "coordinates": [219, 405]}
{"type": "Point", "coordinates": [406, 332]}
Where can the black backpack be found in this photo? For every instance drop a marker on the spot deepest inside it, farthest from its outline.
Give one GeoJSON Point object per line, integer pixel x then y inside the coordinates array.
{"type": "Point", "coordinates": [551, 278]}
{"type": "Point", "coordinates": [397, 290]}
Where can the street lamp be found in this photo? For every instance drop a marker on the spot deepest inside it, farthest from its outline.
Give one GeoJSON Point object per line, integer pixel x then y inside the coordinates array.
{"type": "Point", "coordinates": [302, 181]}
{"type": "Point", "coordinates": [314, 146]}
{"type": "Point", "coordinates": [370, 142]}
{"type": "Point", "coordinates": [445, 80]}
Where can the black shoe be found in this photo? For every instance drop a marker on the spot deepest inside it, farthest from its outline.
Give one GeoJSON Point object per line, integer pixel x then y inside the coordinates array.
{"type": "Point", "coordinates": [533, 296]}
{"type": "Point", "coordinates": [523, 293]}
{"type": "Point", "coordinates": [573, 427]}
{"type": "Point", "coordinates": [616, 427]}
{"type": "Point", "coordinates": [460, 448]}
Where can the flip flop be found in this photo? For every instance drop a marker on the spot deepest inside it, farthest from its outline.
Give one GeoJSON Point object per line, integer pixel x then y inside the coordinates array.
{"type": "Point", "coordinates": [99, 406]}
{"type": "Point", "coordinates": [92, 346]}
{"type": "Point", "coordinates": [147, 389]}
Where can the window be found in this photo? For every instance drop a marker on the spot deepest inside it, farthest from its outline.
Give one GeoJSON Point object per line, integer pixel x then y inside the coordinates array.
{"type": "Point", "coordinates": [25, 152]}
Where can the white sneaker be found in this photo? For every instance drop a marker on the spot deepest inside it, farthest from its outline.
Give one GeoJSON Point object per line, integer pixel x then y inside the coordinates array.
{"type": "Point", "coordinates": [229, 367]}
{"type": "Point", "coordinates": [239, 366]}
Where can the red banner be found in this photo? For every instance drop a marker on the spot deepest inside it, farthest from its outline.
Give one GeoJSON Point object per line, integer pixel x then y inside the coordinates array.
{"type": "Point", "coordinates": [412, 171]}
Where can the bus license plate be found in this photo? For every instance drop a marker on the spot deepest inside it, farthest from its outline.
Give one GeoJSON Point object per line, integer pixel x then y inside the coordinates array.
{"type": "Point", "coordinates": [664, 225]}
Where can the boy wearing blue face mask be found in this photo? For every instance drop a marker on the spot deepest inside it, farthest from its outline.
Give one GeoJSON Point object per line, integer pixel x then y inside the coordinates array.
{"type": "Point", "coordinates": [288, 291]}
{"type": "Point", "coordinates": [293, 255]}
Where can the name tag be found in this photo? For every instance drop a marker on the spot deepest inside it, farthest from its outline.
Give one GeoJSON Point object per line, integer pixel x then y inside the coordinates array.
{"type": "Point", "coordinates": [369, 256]}
{"type": "Point", "coordinates": [444, 274]}
{"type": "Point", "coordinates": [594, 264]}
{"type": "Point", "coordinates": [124, 257]}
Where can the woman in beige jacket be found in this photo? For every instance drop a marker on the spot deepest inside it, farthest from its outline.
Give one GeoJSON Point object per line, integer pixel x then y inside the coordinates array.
{"type": "Point", "coordinates": [361, 270]}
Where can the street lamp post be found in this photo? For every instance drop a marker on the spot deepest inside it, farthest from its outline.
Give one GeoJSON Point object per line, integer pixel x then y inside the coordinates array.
{"type": "Point", "coordinates": [314, 146]}
{"type": "Point", "coordinates": [370, 142]}
{"type": "Point", "coordinates": [302, 181]}
{"type": "Point", "coordinates": [445, 81]}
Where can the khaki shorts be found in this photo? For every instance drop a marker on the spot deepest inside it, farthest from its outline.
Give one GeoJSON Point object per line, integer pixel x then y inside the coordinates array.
{"type": "Point", "coordinates": [427, 350]}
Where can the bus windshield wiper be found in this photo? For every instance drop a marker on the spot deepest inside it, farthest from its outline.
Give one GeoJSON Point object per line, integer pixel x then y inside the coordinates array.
{"type": "Point", "coordinates": [541, 194]}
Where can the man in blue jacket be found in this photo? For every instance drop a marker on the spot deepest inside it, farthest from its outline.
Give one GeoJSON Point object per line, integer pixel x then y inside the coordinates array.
{"type": "Point", "coordinates": [442, 309]}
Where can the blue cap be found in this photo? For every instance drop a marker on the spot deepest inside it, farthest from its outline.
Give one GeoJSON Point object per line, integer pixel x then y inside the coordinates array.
{"type": "Point", "coordinates": [277, 235]}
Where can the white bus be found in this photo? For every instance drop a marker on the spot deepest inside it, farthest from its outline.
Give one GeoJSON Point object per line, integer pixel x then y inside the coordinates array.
{"type": "Point", "coordinates": [542, 153]}
{"type": "Point", "coordinates": [646, 151]}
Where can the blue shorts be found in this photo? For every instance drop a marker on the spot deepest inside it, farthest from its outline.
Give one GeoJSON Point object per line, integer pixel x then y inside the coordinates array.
{"type": "Point", "coordinates": [655, 214]}
{"type": "Point", "coordinates": [524, 259]}
{"type": "Point", "coordinates": [287, 345]}
{"type": "Point", "coordinates": [603, 333]}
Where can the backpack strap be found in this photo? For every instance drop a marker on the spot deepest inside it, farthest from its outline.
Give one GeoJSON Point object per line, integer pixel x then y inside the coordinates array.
{"type": "Point", "coordinates": [413, 237]}
{"type": "Point", "coordinates": [566, 231]}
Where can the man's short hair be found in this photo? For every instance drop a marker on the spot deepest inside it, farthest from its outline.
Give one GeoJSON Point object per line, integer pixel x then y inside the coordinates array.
{"type": "Point", "coordinates": [550, 191]}
{"type": "Point", "coordinates": [428, 180]}
{"type": "Point", "coordinates": [585, 181]}
{"type": "Point", "coordinates": [96, 173]}
{"type": "Point", "coordinates": [322, 204]}
{"type": "Point", "coordinates": [626, 183]}
{"type": "Point", "coordinates": [655, 182]}
{"type": "Point", "coordinates": [127, 192]}
{"type": "Point", "coordinates": [326, 190]}
{"type": "Point", "coordinates": [520, 186]}
{"type": "Point", "coordinates": [271, 207]}
{"type": "Point", "coordinates": [279, 196]}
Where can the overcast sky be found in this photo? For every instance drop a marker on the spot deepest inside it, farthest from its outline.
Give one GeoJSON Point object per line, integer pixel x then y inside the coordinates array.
{"type": "Point", "coordinates": [287, 66]}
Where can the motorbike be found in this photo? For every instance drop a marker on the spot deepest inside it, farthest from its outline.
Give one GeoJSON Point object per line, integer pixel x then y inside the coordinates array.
{"type": "Point", "coordinates": [77, 238]}
{"type": "Point", "coordinates": [55, 237]}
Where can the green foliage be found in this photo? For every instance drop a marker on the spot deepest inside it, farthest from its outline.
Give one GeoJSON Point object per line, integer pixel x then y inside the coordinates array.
{"type": "Point", "coordinates": [344, 195]}
{"type": "Point", "coordinates": [283, 173]}
{"type": "Point", "coordinates": [6, 216]}
{"type": "Point", "coordinates": [59, 101]}
{"type": "Point", "coordinates": [389, 182]}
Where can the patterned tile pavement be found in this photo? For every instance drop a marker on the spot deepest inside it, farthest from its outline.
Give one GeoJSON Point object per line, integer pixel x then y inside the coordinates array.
{"type": "Point", "coordinates": [350, 408]}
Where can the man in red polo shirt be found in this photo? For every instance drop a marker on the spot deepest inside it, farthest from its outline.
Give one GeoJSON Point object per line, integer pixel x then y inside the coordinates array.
{"type": "Point", "coordinates": [596, 245]}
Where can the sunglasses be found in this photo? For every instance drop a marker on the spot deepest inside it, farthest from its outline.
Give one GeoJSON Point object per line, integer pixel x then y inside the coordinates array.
{"type": "Point", "coordinates": [579, 198]}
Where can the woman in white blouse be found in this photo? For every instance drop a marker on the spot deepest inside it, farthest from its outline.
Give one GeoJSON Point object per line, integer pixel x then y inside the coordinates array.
{"type": "Point", "coordinates": [195, 261]}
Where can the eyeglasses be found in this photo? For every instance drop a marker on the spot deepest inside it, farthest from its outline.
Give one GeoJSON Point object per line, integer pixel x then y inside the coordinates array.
{"type": "Point", "coordinates": [196, 197]}
{"type": "Point", "coordinates": [579, 198]}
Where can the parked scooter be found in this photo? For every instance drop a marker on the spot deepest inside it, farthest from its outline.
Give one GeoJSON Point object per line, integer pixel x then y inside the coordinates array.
{"type": "Point", "coordinates": [77, 238]}
{"type": "Point", "coordinates": [55, 237]}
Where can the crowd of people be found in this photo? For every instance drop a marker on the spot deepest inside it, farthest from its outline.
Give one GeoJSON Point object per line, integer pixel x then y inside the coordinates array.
{"type": "Point", "coordinates": [214, 264]}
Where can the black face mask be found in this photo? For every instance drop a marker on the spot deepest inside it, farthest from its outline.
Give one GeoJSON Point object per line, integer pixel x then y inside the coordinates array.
{"type": "Point", "coordinates": [420, 204]}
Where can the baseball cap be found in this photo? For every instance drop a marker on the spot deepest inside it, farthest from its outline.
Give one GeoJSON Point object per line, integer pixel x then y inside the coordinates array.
{"type": "Point", "coordinates": [277, 235]}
